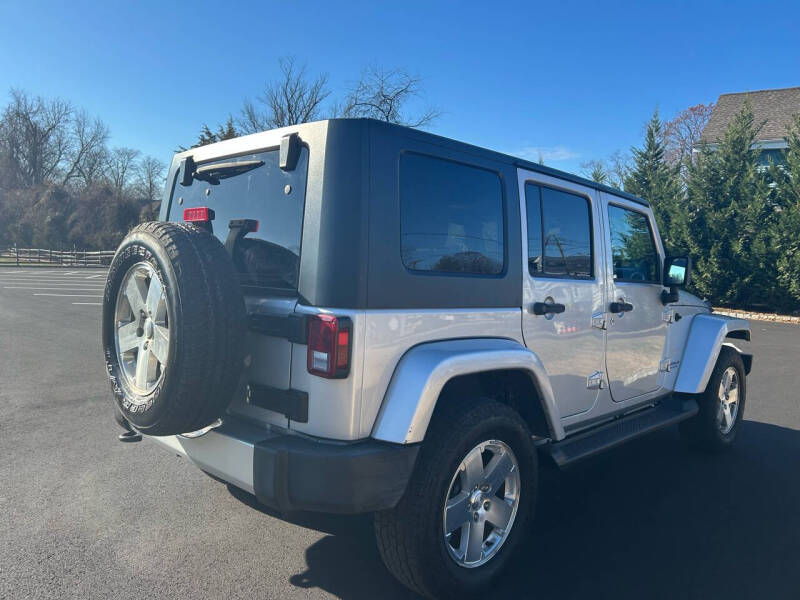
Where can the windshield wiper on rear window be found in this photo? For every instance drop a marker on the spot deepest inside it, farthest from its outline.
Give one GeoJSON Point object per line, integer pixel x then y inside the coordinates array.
{"type": "Point", "coordinates": [213, 173]}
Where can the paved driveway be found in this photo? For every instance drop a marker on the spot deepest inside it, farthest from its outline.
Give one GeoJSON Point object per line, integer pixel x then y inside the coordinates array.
{"type": "Point", "coordinates": [83, 516]}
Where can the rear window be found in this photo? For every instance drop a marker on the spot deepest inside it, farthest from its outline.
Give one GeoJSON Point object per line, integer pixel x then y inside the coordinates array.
{"type": "Point", "coordinates": [451, 217]}
{"type": "Point", "coordinates": [269, 257]}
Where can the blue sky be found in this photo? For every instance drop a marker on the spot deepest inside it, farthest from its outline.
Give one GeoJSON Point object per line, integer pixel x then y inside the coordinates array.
{"type": "Point", "coordinates": [572, 80]}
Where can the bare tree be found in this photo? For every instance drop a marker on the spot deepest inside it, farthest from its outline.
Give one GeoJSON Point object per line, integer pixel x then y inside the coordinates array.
{"type": "Point", "coordinates": [52, 158]}
{"type": "Point", "coordinates": [92, 168]}
{"type": "Point", "coordinates": [150, 172]}
{"type": "Point", "coordinates": [48, 141]}
{"type": "Point", "coordinates": [384, 94]}
{"type": "Point", "coordinates": [292, 99]}
{"type": "Point", "coordinates": [86, 149]}
{"type": "Point", "coordinates": [684, 131]}
{"type": "Point", "coordinates": [120, 165]}
{"type": "Point", "coordinates": [150, 184]}
{"type": "Point", "coordinates": [34, 139]}
{"type": "Point", "coordinates": [619, 165]}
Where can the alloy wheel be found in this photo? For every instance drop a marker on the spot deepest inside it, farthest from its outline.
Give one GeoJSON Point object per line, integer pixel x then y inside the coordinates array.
{"type": "Point", "coordinates": [481, 504]}
{"type": "Point", "coordinates": [728, 400]}
{"type": "Point", "coordinates": [141, 328]}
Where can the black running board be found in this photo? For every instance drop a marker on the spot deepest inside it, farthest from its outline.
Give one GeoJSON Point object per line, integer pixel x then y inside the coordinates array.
{"type": "Point", "coordinates": [609, 435]}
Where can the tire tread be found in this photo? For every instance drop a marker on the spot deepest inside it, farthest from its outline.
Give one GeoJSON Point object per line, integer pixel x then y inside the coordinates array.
{"type": "Point", "coordinates": [208, 354]}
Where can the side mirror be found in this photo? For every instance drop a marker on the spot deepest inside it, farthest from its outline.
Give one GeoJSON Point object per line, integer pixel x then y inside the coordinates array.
{"type": "Point", "coordinates": [677, 270]}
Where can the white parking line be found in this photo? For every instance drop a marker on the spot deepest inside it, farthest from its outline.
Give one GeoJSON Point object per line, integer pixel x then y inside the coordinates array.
{"type": "Point", "coordinates": [42, 275]}
{"type": "Point", "coordinates": [56, 283]}
{"type": "Point", "coordinates": [64, 288]}
{"type": "Point", "coordinates": [56, 272]}
{"type": "Point", "coordinates": [49, 281]}
{"type": "Point", "coordinates": [54, 279]}
{"type": "Point", "coordinates": [37, 276]}
{"type": "Point", "coordinates": [73, 295]}
{"type": "Point", "coordinates": [34, 272]}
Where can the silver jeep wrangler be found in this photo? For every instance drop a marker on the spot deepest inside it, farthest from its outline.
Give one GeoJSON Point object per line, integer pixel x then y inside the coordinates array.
{"type": "Point", "coordinates": [350, 316]}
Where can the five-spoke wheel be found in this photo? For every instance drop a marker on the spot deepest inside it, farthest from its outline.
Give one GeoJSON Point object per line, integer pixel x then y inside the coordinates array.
{"type": "Point", "coordinates": [481, 503]}
{"type": "Point", "coordinates": [728, 400]}
{"type": "Point", "coordinates": [142, 328]}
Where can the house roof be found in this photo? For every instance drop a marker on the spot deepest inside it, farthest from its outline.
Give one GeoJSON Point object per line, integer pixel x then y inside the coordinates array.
{"type": "Point", "coordinates": [775, 108]}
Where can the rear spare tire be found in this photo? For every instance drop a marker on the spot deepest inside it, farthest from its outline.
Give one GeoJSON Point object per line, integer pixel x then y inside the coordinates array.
{"type": "Point", "coordinates": [173, 328]}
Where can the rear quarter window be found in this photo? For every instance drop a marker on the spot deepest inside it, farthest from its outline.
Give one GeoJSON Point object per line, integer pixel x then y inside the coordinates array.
{"type": "Point", "coordinates": [451, 217]}
{"type": "Point", "coordinates": [275, 198]}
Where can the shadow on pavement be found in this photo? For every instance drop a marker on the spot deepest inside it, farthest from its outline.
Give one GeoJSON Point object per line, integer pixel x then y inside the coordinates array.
{"type": "Point", "coordinates": [648, 520]}
{"type": "Point", "coordinates": [344, 563]}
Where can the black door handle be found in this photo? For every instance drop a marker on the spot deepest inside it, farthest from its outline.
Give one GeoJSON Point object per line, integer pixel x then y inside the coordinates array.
{"type": "Point", "coordinates": [620, 307]}
{"type": "Point", "coordinates": [547, 308]}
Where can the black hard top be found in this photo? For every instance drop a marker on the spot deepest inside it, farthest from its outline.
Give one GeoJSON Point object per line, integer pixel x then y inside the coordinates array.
{"type": "Point", "coordinates": [498, 156]}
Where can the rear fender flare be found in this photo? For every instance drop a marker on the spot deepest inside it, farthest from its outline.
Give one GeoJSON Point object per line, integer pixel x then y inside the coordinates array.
{"type": "Point", "coordinates": [423, 371]}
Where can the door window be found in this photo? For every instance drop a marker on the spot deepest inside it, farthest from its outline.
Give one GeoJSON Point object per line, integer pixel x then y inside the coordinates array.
{"type": "Point", "coordinates": [559, 233]}
{"type": "Point", "coordinates": [633, 251]}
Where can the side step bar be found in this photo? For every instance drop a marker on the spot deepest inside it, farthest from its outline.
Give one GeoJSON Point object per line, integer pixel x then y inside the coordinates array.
{"type": "Point", "coordinates": [609, 435]}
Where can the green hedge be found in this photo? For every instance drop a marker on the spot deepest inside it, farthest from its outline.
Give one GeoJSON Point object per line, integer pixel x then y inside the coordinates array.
{"type": "Point", "coordinates": [739, 221]}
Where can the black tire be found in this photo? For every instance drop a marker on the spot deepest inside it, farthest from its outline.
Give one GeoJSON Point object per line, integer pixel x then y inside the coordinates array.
{"type": "Point", "coordinates": [410, 536]}
{"type": "Point", "coordinates": [206, 316]}
{"type": "Point", "coordinates": [703, 431]}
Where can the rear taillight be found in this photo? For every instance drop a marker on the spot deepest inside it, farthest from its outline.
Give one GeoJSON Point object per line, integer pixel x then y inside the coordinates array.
{"type": "Point", "coordinates": [329, 341]}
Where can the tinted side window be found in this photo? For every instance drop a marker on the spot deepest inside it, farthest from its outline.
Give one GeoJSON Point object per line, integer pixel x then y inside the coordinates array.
{"type": "Point", "coordinates": [451, 217]}
{"type": "Point", "coordinates": [633, 252]}
{"type": "Point", "coordinates": [563, 245]}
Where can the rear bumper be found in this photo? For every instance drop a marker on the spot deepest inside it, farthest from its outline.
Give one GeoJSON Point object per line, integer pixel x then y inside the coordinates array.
{"type": "Point", "coordinates": [290, 472]}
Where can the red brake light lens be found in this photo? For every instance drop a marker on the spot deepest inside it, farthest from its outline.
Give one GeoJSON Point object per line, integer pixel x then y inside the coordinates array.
{"type": "Point", "coordinates": [329, 346]}
{"type": "Point", "coordinates": [342, 349]}
{"type": "Point", "coordinates": [198, 214]}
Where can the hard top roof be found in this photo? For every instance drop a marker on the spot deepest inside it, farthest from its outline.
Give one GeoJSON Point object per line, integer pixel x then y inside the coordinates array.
{"type": "Point", "coordinates": [499, 156]}
{"type": "Point", "coordinates": [250, 141]}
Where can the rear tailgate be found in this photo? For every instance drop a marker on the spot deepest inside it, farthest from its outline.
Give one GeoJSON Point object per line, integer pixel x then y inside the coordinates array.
{"type": "Point", "coordinates": [267, 259]}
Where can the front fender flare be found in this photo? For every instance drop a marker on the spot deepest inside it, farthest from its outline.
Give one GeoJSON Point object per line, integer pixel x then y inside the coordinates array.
{"type": "Point", "coordinates": [424, 370]}
{"type": "Point", "coordinates": [706, 336]}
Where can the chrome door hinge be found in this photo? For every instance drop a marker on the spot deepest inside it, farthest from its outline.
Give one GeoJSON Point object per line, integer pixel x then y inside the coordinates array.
{"type": "Point", "coordinates": [667, 365]}
{"type": "Point", "coordinates": [599, 320]}
{"type": "Point", "coordinates": [595, 381]}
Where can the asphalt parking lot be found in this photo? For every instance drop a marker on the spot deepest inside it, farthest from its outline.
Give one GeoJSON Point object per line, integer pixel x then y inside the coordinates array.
{"type": "Point", "coordinates": [83, 516]}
